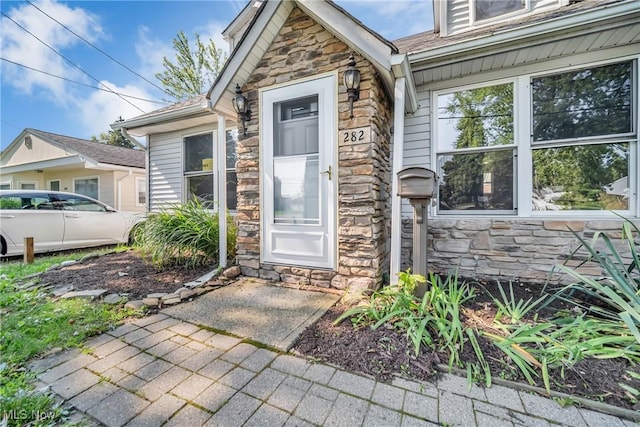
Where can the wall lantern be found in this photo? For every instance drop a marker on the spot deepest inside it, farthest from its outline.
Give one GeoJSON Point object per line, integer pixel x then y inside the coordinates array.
{"type": "Point", "coordinates": [241, 105]}
{"type": "Point", "coordinates": [352, 82]}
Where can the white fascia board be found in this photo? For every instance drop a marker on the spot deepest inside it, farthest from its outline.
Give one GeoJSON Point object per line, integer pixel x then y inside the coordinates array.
{"type": "Point", "coordinates": [538, 29]}
{"type": "Point", "coordinates": [75, 160]}
{"type": "Point", "coordinates": [224, 82]}
{"type": "Point", "coordinates": [401, 68]}
{"type": "Point", "coordinates": [349, 32]}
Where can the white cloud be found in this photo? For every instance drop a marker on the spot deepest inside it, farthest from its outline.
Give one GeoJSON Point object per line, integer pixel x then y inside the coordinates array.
{"type": "Point", "coordinates": [150, 52]}
{"type": "Point", "coordinates": [23, 48]}
{"type": "Point", "coordinates": [100, 109]}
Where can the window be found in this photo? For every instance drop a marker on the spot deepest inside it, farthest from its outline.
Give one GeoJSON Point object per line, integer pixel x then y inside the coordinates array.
{"type": "Point", "coordinates": [141, 191]}
{"type": "Point", "coordinates": [54, 185]}
{"type": "Point", "coordinates": [475, 142]}
{"type": "Point", "coordinates": [487, 9]}
{"type": "Point", "coordinates": [295, 161]}
{"type": "Point", "coordinates": [579, 156]}
{"type": "Point", "coordinates": [198, 168]}
{"type": "Point", "coordinates": [79, 203]}
{"type": "Point", "coordinates": [27, 185]}
{"type": "Point", "coordinates": [581, 124]}
{"type": "Point", "coordinates": [5, 186]}
{"type": "Point", "coordinates": [231, 176]}
{"type": "Point", "coordinates": [86, 186]}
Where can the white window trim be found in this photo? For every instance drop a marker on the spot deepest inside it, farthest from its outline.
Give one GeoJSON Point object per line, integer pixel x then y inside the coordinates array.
{"type": "Point", "coordinates": [186, 175]}
{"type": "Point", "coordinates": [35, 184]}
{"type": "Point", "coordinates": [78, 178]}
{"type": "Point", "coordinates": [6, 183]}
{"type": "Point", "coordinates": [146, 195]}
{"type": "Point", "coordinates": [523, 167]}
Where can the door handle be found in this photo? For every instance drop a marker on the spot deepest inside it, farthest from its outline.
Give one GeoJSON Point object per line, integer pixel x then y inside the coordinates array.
{"type": "Point", "coordinates": [71, 215]}
{"type": "Point", "coordinates": [328, 172]}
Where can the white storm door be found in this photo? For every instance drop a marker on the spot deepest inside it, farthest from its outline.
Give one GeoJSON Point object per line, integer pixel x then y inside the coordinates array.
{"type": "Point", "coordinates": [299, 174]}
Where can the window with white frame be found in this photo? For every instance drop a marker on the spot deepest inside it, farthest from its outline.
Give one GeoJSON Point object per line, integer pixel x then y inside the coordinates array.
{"type": "Point", "coordinates": [198, 168]}
{"type": "Point", "coordinates": [5, 186]}
{"type": "Point", "coordinates": [87, 186]}
{"type": "Point", "coordinates": [582, 143]}
{"type": "Point", "coordinates": [141, 191]}
{"type": "Point", "coordinates": [488, 9]}
{"type": "Point", "coordinates": [54, 185]}
{"type": "Point", "coordinates": [476, 147]}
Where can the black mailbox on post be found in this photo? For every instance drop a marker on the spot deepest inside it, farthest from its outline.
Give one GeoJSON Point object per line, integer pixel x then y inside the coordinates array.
{"type": "Point", "coordinates": [419, 186]}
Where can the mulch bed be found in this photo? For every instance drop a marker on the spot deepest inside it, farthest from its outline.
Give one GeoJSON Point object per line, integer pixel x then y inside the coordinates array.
{"type": "Point", "coordinates": [382, 353]}
{"type": "Point", "coordinates": [124, 273]}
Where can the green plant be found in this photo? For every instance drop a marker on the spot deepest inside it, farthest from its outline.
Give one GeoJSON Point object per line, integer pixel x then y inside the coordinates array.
{"type": "Point", "coordinates": [617, 291]}
{"type": "Point", "coordinates": [184, 234]}
{"type": "Point", "coordinates": [514, 310]}
{"type": "Point", "coordinates": [632, 393]}
{"type": "Point", "coordinates": [432, 321]}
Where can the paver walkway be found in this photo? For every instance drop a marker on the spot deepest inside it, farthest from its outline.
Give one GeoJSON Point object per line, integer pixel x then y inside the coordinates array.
{"type": "Point", "coordinates": [162, 371]}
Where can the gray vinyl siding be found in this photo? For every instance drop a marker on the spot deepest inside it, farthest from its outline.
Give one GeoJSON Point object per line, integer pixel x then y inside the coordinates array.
{"type": "Point", "coordinates": [417, 138]}
{"type": "Point", "coordinates": [165, 170]}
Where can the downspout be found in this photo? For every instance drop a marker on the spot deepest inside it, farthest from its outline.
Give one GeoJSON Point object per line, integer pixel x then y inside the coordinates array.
{"type": "Point", "coordinates": [119, 189]}
{"type": "Point", "coordinates": [396, 201]}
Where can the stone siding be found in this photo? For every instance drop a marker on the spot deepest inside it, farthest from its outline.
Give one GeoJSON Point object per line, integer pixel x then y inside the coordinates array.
{"type": "Point", "coordinates": [304, 48]}
{"type": "Point", "coordinates": [518, 250]}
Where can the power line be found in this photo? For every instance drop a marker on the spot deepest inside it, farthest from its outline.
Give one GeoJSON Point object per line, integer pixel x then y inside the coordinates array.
{"type": "Point", "coordinates": [80, 83]}
{"type": "Point", "coordinates": [70, 62]}
{"type": "Point", "coordinates": [97, 48]}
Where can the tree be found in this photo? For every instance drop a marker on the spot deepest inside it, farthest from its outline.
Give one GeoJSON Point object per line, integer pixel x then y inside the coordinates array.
{"type": "Point", "coordinates": [194, 71]}
{"type": "Point", "coordinates": [113, 137]}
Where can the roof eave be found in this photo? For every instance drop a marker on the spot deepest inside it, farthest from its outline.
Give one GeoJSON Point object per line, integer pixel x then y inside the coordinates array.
{"type": "Point", "coordinates": [513, 36]}
{"type": "Point", "coordinates": [166, 116]}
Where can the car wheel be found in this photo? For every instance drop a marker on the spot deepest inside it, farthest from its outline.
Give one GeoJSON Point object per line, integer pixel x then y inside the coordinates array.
{"type": "Point", "coordinates": [3, 246]}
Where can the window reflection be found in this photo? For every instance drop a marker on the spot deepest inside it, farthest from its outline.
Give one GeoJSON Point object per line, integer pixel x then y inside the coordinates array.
{"type": "Point", "coordinates": [581, 177]}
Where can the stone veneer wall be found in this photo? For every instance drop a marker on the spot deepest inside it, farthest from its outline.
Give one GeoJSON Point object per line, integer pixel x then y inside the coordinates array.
{"type": "Point", "coordinates": [520, 250]}
{"type": "Point", "coordinates": [303, 48]}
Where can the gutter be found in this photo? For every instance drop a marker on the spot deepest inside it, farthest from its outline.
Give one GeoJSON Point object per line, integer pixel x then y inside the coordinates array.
{"type": "Point", "coordinates": [535, 29]}
{"type": "Point", "coordinates": [126, 134]}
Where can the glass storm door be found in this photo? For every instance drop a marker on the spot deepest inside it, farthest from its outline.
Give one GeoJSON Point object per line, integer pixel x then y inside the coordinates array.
{"type": "Point", "coordinates": [299, 176]}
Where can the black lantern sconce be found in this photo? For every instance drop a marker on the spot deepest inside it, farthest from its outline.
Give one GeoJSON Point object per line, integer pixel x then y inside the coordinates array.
{"type": "Point", "coordinates": [241, 105]}
{"type": "Point", "coordinates": [352, 82]}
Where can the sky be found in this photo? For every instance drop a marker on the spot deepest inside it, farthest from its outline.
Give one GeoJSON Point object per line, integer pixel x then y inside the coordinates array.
{"type": "Point", "coordinates": [57, 57]}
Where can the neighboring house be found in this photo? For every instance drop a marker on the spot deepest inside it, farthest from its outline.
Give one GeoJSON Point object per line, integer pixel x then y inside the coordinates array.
{"type": "Point", "coordinates": [527, 110]}
{"type": "Point", "coordinates": [45, 161]}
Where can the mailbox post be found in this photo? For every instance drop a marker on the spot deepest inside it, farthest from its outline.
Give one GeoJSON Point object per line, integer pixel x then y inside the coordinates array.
{"type": "Point", "coordinates": [418, 185]}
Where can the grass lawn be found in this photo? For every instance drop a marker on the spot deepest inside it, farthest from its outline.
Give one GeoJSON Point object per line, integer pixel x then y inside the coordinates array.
{"type": "Point", "coordinates": [31, 324]}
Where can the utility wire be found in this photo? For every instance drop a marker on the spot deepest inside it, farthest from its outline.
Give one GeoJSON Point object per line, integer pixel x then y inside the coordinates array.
{"type": "Point", "coordinates": [80, 83]}
{"type": "Point", "coordinates": [75, 65]}
{"type": "Point", "coordinates": [97, 48]}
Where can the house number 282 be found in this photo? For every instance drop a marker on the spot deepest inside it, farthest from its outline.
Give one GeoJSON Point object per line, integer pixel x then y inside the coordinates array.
{"type": "Point", "coordinates": [354, 136]}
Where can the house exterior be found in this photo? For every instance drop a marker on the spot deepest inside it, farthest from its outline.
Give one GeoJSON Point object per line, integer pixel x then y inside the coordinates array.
{"type": "Point", "coordinates": [42, 160]}
{"type": "Point", "coordinates": [526, 110]}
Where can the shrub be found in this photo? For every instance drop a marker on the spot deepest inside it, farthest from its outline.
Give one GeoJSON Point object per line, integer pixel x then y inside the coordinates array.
{"type": "Point", "coordinates": [184, 235]}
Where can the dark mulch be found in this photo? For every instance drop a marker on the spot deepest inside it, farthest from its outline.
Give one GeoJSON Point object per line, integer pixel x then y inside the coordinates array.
{"type": "Point", "coordinates": [382, 353]}
{"type": "Point", "coordinates": [385, 353]}
{"type": "Point", "coordinates": [123, 272]}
